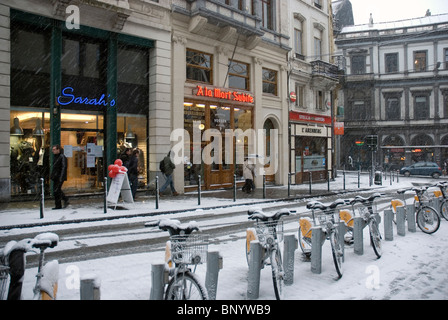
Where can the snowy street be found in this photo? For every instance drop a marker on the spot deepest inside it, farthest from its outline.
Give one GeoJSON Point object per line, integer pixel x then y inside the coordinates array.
{"type": "Point", "coordinates": [412, 267]}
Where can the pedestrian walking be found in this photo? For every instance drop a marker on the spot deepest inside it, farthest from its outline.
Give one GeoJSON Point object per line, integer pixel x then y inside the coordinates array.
{"type": "Point", "coordinates": [132, 166]}
{"type": "Point", "coordinates": [167, 167]}
{"type": "Point", "coordinates": [58, 176]}
{"type": "Point", "coordinates": [248, 174]}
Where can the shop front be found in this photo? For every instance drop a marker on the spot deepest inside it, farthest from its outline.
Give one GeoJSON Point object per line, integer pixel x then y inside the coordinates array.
{"type": "Point", "coordinates": [310, 146]}
{"type": "Point", "coordinates": [75, 88]}
{"type": "Point", "coordinates": [217, 121]}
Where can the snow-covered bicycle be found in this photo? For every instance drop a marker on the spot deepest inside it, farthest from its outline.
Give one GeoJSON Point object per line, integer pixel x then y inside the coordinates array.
{"type": "Point", "coordinates": [426, 216]}
{"type": "Point", "coordinates": [183, 249]}
{"type": "Point", "coordinates": [13, 260]}
{"type": "Point", "coordinates": [268, 230]}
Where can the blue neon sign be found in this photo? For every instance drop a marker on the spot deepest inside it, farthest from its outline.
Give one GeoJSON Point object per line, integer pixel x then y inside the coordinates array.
{"type": "Point", "coordinates": [68, 97]}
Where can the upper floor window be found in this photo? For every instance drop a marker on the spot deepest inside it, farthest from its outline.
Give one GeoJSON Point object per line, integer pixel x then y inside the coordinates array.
{"type": "Point", "coordinates": [269, 81]}
{"type": "Point", "coordinates": [318, 4]}
{"type": "Point", "coordinates": [318, 48]}
{"type": "Point", "coordinates": [358, 64]}
{"type": "Point", "coordinates": [392, 108]}
{"type": "Point", "coordinates": [267, 14]}
{"type": "Point", "coordinates": [298, 44]}
{"type": "Point", "coordinates": [199, 66]}
{"type": "Point", "coordinates": [421, 107]}
{"type": "Point", "coordinates": [239, 75]}
{"type": "Point", "coordinates": [391, 61]}
{"type": "Point", "coordinates": [420, 60]}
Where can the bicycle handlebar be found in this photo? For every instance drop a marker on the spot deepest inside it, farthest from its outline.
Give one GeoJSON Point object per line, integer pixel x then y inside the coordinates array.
{"type": "Point", "coordinates": [258, 214]}
{"type": "Point", "coordinates": [368, 200]}
{"type": "Point", "coordinates": [319, 205]}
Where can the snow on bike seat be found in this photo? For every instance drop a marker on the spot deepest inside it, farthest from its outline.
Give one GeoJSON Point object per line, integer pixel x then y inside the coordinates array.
{"type": "Point", "coordinates": [255, 214]}
{"type": "Point", "coordinates": [319, 205]}
{"type": "Point", "coordinates": [45, 240]}
{"type": "Point", "coordinates": [369, 199]}
{"type": "Point", "coordinates": [174, 227]}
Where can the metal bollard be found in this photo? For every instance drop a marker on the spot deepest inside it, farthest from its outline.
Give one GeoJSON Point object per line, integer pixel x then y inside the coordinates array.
{"type": "Point", "coordinates": [214, 264]}
{"type": "Point", "coordinates": [199, 190]}
{"type": "Point", "coordinates": [358, 237]}
{"type": "Point", "coordinates": [90, 288]}
{"type": "Point", "coordinates": [343, 174]}
{"type": "Point", "coordinates": [42, 198]}
{"type": "Point", "coordinates": [234, 188]}
{"type": "Point", "coordinates": [157, 281]}
{"type": "Point", "coordinates": [264, 186]}
{"type": "Point", "coordinates": [317, 239]}
{"type": "Point", "coordinates": [253, 283]}
{"type": "Point", "coordinates": [401, 221]}
{"type": "Point", "coordinates": [342, 229]}
{"type": "Point", "coordinates": [388, 225]}
{"type": "Point", "coordinates": [311, 181]}
{"type": "Point", "coordinates": [288, 254]}
{"type": "Point", "coordinates": [105, 195]}
{"type": "Point", "coordinates": [410, 217]}
{"type": "Point", "coordinates": [157, 192]}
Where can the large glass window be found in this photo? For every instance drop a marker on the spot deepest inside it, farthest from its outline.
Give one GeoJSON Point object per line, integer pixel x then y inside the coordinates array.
{"type": "Point", "coordinates": [30, 66]}
{"type": "Point", "coordinates": [267, 14]}
{"type": "Point", "coordinates": [421, 107]}
{"type": "Point", "coordinates": [199, 66]}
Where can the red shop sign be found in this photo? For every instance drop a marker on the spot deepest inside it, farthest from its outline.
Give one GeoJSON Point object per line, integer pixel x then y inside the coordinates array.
{"type": "Point", "coordinates": [308, 117]}
{"type": "Point", "coordinates": [203, 91]}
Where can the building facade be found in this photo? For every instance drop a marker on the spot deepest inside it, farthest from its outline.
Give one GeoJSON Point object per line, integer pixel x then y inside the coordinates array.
{"type": "Point", "coordinates": [312, 78]}
{"type": "Point", "coordinates": [229, 76]}
{"type": "Point", "coordinates": [396, 88]}
{"type": "Point", "coordinates": [92, 76]}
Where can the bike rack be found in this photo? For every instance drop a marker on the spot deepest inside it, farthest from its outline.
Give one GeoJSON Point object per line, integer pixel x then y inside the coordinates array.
{"type": "Point", "coordinates": [403, 216]}
{"type": "Point", "coordinates": [255, 265]}
{"type": "Point", "coordinates": [159, 277]}
{"type": "Point", "coordinates": [90, 288]}
{"type": "Point", "coordinates": [318, 238]}
{"type": "Point", "coordinates": [358, 237]}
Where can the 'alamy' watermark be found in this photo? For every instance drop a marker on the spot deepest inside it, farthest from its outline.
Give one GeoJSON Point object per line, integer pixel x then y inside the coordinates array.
{"type": "Point", "coordinates": [373, 280]}
{"type": "Point", "coordinates": [228, 146]}
{"type": "Point", "coordinates": [72, 21]}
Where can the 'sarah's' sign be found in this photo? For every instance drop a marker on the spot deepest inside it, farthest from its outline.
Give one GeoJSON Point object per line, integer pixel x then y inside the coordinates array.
{"type": "Point", "coordinates": [67, 97]}
{"type": "Point", "coordinates": [217, 93]}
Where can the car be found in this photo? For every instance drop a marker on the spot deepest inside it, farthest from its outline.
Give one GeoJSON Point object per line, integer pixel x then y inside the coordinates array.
{"type": "Point", "coordinates": [422, 168]}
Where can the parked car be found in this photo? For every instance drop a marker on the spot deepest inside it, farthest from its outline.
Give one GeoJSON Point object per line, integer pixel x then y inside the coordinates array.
{"type": "Point", "coordinates": [423, 169]}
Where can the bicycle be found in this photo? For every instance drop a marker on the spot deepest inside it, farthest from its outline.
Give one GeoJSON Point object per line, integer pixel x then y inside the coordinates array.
{"type": "Point", "coordinates": [370, 217]}
{"type": "Point", "coordinates": [443, 209]}
{"type": "Point", "coordinates": [427, 218]}
{"type": "Point", "coordinates": [268, 230]}
{"type": "Point", "coordinates": [13, 261]}
{"type": "Point", "coordinates": [183, 249]}
{"type": "Point", "coordinates": [328, 223]}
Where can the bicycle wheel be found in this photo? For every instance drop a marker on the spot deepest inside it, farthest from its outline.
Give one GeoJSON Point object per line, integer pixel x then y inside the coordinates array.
{"type": "Point", "coordinates": [375, 237]}
{"type": "Point", "coordinates": [444, 209]}
{"type": "Point", "coordinates": [277, 273]}
{"type": "Point", "coordinates": [427, 219]}
{"type": "Point", "coordinates": [336, 250]}
{"type": "Point", "coordinates": [185, 286]}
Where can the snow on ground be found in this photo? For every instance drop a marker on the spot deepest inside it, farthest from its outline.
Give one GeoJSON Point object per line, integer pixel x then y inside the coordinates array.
{"type": "Point", "coordinates": [412, 267]}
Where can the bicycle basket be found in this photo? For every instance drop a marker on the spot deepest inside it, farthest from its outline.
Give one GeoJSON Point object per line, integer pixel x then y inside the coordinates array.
{"type": "Point", "coordinates": [189, 249]}
{"type": "Point", "coordinates": [268, 229]}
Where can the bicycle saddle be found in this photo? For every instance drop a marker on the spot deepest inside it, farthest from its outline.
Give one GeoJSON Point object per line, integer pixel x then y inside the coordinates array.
{"type": "Point", "coordinates": [319, 205]}
{"type": "Point", "coordinates": [258, 214]}
{"type": "Point", "coordinates": [45, 240]}
{"type": "Point", "coordinates": [368, 200]}
{"type": "Point", "coordinates": [174, 227]}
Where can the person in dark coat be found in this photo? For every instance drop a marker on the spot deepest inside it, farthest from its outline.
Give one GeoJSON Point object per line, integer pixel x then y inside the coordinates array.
{"type": "Point", "coordinates": [168, 169]}
{"type": "Point", "coordinates": [59, 175]}
{"type": "Point", "coordinates": [132, 166]}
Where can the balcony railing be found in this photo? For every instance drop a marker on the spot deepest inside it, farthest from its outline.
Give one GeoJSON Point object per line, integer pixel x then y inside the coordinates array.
{"type": "Point", "coordinates": [324, 69]}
